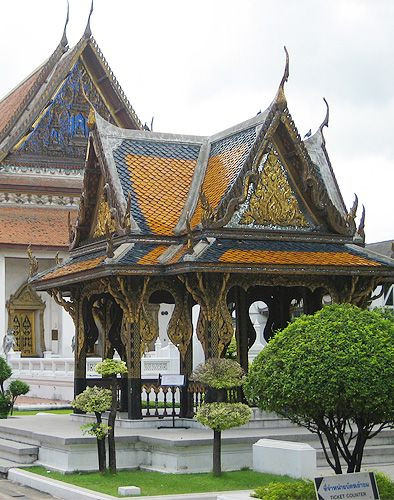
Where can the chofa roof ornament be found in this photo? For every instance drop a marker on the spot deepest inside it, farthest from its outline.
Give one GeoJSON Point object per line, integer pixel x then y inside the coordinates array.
{"type": "Point", "coordinates": [64, 41]}
{"type": "Point", "coordinates": [88, 31]}
{"type": "Point", "coordinates": [280, 98]}
{"type": "Point", "coordinates": [325, 121]}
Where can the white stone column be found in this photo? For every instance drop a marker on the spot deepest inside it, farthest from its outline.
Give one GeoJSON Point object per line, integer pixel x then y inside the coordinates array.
{"type": "Point", "coordinates": [3, 311]}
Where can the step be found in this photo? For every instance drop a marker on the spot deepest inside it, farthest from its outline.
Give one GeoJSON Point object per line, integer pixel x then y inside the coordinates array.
{"type": "Point", "coordinates": [18, 452]}
{"type": "Point", "coordinates": [6, 465]}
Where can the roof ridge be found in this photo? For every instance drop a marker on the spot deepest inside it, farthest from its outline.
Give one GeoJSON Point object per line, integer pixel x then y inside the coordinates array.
{"type": "Point", "coordinates": [48, 91]}
{"type": "Point", "coordinates": [46, 69]}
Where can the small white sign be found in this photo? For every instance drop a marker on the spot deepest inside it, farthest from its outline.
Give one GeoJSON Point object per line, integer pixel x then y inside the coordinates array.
{"type": "Point", "coordinates": [173, 380]}
{"type": "Point", "coordinates": [360, 485]}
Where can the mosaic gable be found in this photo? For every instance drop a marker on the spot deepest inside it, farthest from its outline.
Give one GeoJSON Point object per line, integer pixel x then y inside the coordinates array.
{"type": "Point", "coordinates": [271, 201]}
{"type": "Point", "coordinates": [62, 129]}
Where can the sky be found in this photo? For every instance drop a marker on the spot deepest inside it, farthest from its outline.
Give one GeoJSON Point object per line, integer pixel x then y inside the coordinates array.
{"type": "Point", "coordinates": [199, 67]}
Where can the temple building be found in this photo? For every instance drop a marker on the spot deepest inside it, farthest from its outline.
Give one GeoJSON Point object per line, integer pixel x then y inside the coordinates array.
{"type": "Point", "coordinates": [250, 214]}
{"type": "Point", "coordinates": [43, 141]}
{"type": "Point", "coordinates": [175, 243]}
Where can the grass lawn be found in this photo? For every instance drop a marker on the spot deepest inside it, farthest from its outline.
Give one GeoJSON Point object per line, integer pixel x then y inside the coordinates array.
{"type": "Point", "coordinates": [156, 483]}
{"type": "Point", "coordinates": [20, 413]}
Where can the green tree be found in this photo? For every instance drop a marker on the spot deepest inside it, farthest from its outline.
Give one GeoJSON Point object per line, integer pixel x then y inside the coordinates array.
{"type": "Point", "coordinates": [111, 368]}
{"type": "Point", "coordinates": [95, 400]}
{"type": "Point", "coordinates": [15, 389]}
{"type": "Point", "coordinates": [333, 373]}
{"type": "Point", "coordinates": [5, 373]}
{"type": "Point", "coordinates": [221, 374]}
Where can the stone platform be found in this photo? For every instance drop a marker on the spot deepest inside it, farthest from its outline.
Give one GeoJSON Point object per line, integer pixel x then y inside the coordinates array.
{"type": "Point", "coordinates": [60, 445]}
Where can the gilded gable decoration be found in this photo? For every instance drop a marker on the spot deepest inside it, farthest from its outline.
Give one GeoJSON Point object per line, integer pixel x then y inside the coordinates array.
{"type": "Point", "coordinates": [271, 201]}
{"type": "Point", "coordinates": [104, 223]}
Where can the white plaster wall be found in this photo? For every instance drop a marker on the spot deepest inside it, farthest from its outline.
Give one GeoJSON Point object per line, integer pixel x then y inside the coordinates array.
{"type": "Point", "coordinates": [14, 268]}
{"type": "Point", "coordinates": [3, 315]}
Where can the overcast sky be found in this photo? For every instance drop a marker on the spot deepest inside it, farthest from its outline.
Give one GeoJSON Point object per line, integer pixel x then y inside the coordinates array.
{"type": "Point", "coordinates": [201, 66]}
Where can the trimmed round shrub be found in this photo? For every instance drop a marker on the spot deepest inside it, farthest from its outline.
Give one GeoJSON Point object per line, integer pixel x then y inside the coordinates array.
{"type": "Point", "coordinates": [18, 388]}
{"type": "Point", "coordinates": [219, 373]}
{"type": "Point", "coordinates": [109, 367]}
{"type": "Point", "coordinates": [93, 400]}
{"type": "Point", "coordinates": [222, 416]}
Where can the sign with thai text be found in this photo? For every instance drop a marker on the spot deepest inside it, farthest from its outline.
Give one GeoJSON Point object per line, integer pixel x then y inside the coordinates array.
{"type": "Point", "coordinates": [360, 485]}
{"type": "Point", "coordinates": [173, 380]}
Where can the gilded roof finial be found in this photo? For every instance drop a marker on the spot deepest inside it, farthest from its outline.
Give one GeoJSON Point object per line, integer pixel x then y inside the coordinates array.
{"type": "Point", "coordinates": [326, 118]}
{"type": "Point", "coordinates": [64, 41]}
{"type": "Point", "coordinates": [33, 263]}
{"type": "Point", "coordinates": [189, 234]}
{"type": "Point", "coordinates": [325, 121]}
{"type": "Point", "coordinates": [353, 211]}
{"type": "Point", "coordinates": [361, 226]}
{"type": "Point", "coordinates": [88, 32]}
{"type": "Point", "coordinates": [109, 250]}
{"type": "Point", "coordinates": [280, 95]}
{"type": "Point", "coordinates": [58, 260]}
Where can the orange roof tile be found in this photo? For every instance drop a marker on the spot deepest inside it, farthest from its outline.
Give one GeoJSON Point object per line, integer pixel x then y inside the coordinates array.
{"type": "Point", "coordinates": [14, 99]}
{"type": "Point", "coordinates": [161, 186]}
{"type": "Point", "coordinates": [74, 268]}
{"type": "Point", "coordinates": [32, 225]}
{"type": "Point", "coordinates": [152, 256]}
{"type": "Point", "coordinates": [295, 258]}
{"type": "Point", "coordinates": [220, 174]}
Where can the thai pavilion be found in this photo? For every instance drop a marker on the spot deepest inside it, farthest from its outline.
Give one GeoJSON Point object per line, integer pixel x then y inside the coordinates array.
{"type": "Point", "coordinates": [251, 213]}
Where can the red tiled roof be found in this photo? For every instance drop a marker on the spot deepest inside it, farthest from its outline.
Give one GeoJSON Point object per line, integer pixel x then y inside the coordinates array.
{"type": "Point", "coordinates": [14, 99]}
{"type": "Point", "coordinates": [38, 226]}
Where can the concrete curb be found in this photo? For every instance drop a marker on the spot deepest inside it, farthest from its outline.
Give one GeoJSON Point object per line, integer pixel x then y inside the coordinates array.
{"type": "Point", "coordinates": [42, 407]}
{"type": "Point", "coordinates": [56, 488]}
{"type": "Point", "coordinates": [67, 491]}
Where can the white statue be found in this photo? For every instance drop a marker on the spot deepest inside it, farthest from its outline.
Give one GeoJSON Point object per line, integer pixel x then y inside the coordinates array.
{"type": "Point", "coordinates": [9, 341]}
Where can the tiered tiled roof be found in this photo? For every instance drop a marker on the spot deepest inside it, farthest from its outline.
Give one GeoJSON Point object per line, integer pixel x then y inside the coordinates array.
{"type": "Point", "coordinates": [171, 204]}
{"type": "Point", "coordinates": [166, 172]}
{"type": "Point", "coordinates": [41, 159]}
{"type": "Point", "coordinates": [147, 169]}
{"type": "Point", "coordinates": [223, 255]}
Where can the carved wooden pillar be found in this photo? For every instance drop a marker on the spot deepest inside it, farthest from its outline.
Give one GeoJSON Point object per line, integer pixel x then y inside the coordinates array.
{"type": "Point", "coordinates": [180, 332]}
{"type": "Point", "coordinates": [215, 326]}
{"type": "Point", "coordinates": [312, 300]}
{"type": "Point", "coordinates": [186, 369]}
{"type": "Point", "coordinates": [132, 340]}
{"type": "Point", "coordinates": [79, 352]}
{"type": "Point", "coordinates": [356, 290]}
{"type": "Point", "coordinates": [242, 326]}
{"type": "Point", "coordinates": [129, 294]}
{"type": "Point", "coordinates": [74, 307]}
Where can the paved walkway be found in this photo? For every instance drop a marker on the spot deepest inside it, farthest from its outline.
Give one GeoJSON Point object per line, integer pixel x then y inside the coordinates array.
{"type": "Point", "coordinates": [10, 491]}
